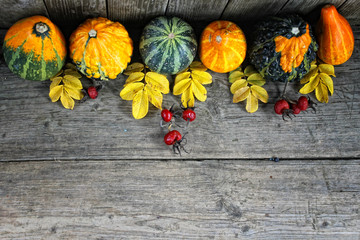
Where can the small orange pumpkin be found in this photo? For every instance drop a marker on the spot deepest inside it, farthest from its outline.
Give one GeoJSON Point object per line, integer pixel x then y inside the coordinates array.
{"type": "Point", "coordinates": [100, 48]}
{"type": "Point", "coordinates": [222, 46]}
{"type": "Point", "coordinates": [335, 37]}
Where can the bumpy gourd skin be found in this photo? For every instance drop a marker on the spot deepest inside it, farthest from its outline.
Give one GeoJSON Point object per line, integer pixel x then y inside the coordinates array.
{"type": "Point", "coordinates": [100, 48]}
{"type": "Point", "coordinates": [274, 65]}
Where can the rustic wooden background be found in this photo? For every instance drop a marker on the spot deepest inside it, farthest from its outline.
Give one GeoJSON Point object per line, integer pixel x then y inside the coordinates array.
{"type": "Point", "coordinates": [96, 173]}
{"type": "Point", "coordinates": [73, 12]}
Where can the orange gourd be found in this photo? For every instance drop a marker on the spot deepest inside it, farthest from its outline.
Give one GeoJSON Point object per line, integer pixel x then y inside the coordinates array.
{"type": "Point", "coordinates": [100, 48]}
{"type": "Point", "coordinates": [335, 37]}
{"type": "Point", "coordinates": [222, 46]}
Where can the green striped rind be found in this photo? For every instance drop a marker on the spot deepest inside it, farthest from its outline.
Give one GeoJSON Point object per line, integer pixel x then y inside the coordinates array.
{"type": "Point", "coordinates": [28, 67]}
{"type": "Point", "coordinates": [163, 54]}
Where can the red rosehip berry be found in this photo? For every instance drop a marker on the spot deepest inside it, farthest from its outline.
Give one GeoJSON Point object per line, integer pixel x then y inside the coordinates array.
{"type": "Point", "coordinates": [172, 137]}
{"type": "Point", "coordinates": [295, 109]}
{"type": "Point", "coordinates": [166, 115]}
{"type": "Point", "coordinates": [189, 115]}
{"type": "Point", "coordinates": [280, 106]}
{"type": "Point", "coordinates": [303, 103]}
{"type": "Point", "coordinates": [92, 92]}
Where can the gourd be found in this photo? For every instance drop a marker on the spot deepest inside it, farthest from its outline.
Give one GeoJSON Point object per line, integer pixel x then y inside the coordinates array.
{"type": "Point", "coordinates": [168, 45]}
{"type": "Point", "coordinates": [100, 48]}
{"type": "Point", "coordinates": [34, 48]}
{"type": "Point", "coordinates": [222, 46]}
{"type": "Point", "coordinates": [335, 37]}
{"type": "Point", "coordinates": [283, 48]}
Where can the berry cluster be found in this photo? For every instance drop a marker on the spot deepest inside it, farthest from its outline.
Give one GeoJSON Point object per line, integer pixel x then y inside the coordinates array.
{"type": "Point", "coordinates": [174, 137]}
{"type": "Point", "coordinates": [286, 108]}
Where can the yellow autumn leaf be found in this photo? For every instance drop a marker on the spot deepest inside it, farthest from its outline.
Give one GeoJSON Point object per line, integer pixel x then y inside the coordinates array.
{"type": "Point", "coordinates": [202, 77]}
{"type": "Point", "coordinates": [236, 75]}
{"type": "Point", "coordinates": [55, 82]}
{"type": "Point", "coordinates": [66, 100]}
{"type": "Point", "coordinates": [260, 93]}
{"type": "Point", "coordinates": [252, 104]}
{"type": "Point", "coordinates": [74, 93]}
{"type": "Point", "coordinates": [157, 81]}
{"type": "Point", "coordinates": [197, 66]}
{"type": "Point", "coordinates": [310, 86]}
{"type": "Point", "coordinates": [241, 94]}
{"type": "Point", "coordinates": [199, 91]}
{"type": "Point", "coordinates": [187, 98]}
{"type": "Point", "coordinates": [132, 68]}
{"type": "Point", "coordinates": [130, 90]}
{"type": "Point", "coordinates": [72, 82]}
{"type": "Point", "coordinates": [256, 79]}
{"type": "Point", "coordinates": [181, 86]}
{"type": "Point", "coordinates": [56, 92]}
{"type": "Point", "coordinates": [327, 81]}
{"type": "Point", "coordinates": [140, 104]}
{"type": "Point", "coordinates": [249, 70]}
{"type": "Point", "coordinates": [135, 77]}
{"type": "Point", "coordinates": [70, 66]}
{"type": "Point", "coordinates": [181, 76]}
{"type": "Point", "coordinates": [321, 93]}
{"type": "Point", "coordinates": [327, 68]}
{"type": "Point", "coordinates": [72, 72]}
{"type": "Point", "coordinates": [155, 96]}
{"type": "Point", "coordinates": [237, 85]}
{"type": "Point", "coordinates": [309, 76]}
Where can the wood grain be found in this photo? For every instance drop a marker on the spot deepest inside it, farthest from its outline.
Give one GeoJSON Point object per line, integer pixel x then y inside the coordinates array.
{"type": "Point", "coordinates": [73, 12]}
{"type": "Point", "coordinates": [350, 9]}
{"type": "Point", "coordinates": [180, 200]}
{"type": "Point", "coordinates": [34, 128]}
{"type": "Point", "coordinates": [139, 11]}
{"type": "Point", "coordinates": [241, 11]}
{"type": "Point", "coordinates": [13, 10]}
{"type": "Point", "coordinates": [193, 11]}
{"type": "Point", "coordinates": [306, 7]}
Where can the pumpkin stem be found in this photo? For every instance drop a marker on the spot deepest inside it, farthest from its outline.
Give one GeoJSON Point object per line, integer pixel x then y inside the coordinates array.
{"type": "Point", "coordinates": [92, 33]}
{"type": "Point", "coordinates": [41, 27]}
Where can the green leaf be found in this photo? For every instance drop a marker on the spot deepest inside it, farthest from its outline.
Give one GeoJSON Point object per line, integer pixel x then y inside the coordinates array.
{"type": "Point", "coordinates": [235, 75]}
{"type": "Point", "coordinates": [241, 94]}
{"type": "Point", "coordinates": [130, 90]}
{"type": "Point", "coordinates": [140, 104]}
{"type": "Point", "coordinates": [250, 70]}
{"type": "Point", "coordinates": [256, 79]}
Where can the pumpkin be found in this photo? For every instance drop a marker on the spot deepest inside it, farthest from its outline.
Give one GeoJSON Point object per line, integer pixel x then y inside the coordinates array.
{"type": "Point", "coordinates": [34, 48]}
{"type": "Point", "coordinates": [283, 48]}
{"type": "Point", "coordinates": [222, 46]}
{"type": "Point", "coordinates": [100, 48]}
{"type": "Point", "coordinates": [335, 37]}
{"type": "Point", "coordinates": [168, 45]}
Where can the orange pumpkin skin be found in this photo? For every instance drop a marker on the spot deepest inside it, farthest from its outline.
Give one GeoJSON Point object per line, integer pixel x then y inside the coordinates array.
{"type": "Point", "coordinates": [335, 37]}
{"type": "Point", "coordinates": [100, 48]}
{"type": "Point", "coordinates": [34, 48]}
{"type": "Point", "coordinates": [222, 46]}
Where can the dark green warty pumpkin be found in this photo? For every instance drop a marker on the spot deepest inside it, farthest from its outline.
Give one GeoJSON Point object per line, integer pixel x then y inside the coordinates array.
{"type": "Point", "coordinates": [283, 48]}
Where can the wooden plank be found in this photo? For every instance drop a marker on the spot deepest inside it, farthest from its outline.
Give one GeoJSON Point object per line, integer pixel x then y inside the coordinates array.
{"type": "Point", "coordinates": [180, 200]}
{"type": "Point", "coordinates": [11, 11]}
{"type": "Point", "coordinates": [242, 12]}
{"type": "Point", "coordinates": [307, 7]}
{"type": "Point", "coordinates": [72, 13]}
{"type": "Point", "coordinates": [192, 11]}
{"type": "Point", "coordinates": [139, 11]}
{"type": "Point", "coordinates": [350, 9]}
{"type": "Point", "coordinates": [32, 127]}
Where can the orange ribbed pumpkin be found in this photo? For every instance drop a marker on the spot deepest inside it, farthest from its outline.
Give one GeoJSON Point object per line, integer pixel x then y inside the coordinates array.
{"type": "Point", "coordinates": [100, 48]}
{"type": "Point", "coordinates": [335, 37]}
{"type": "Point", "coordinates": [222, 46]}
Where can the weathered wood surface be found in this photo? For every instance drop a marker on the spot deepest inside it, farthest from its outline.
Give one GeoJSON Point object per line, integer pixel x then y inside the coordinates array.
{"type": "Point", "coordinates": [72, 12]}
{"type": "Point", "coordinates": [180, 200]}
{"type": "Point", "coordinates": [34, 128]}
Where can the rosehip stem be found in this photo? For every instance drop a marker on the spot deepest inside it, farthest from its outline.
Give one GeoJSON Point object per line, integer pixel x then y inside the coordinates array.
{"type": "Point", "coordinates": [283, 92]}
